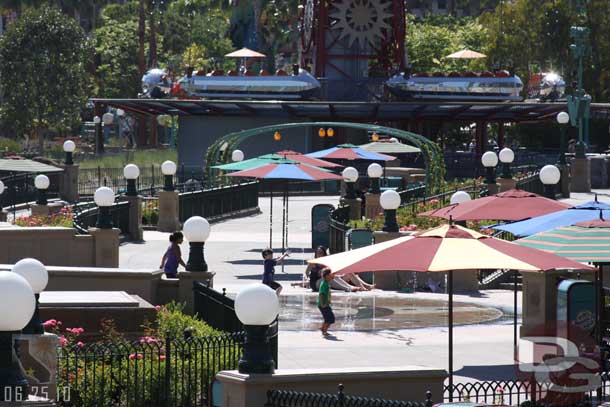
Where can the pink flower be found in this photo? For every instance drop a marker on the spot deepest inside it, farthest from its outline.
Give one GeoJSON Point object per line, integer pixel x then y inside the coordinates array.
{"type": "Point", "coordinates": [412, 226]}
{"type": "Point", "coordinates": [403, 229]}
{"type": "Point", "coordinates": [161, 357]}
{"type": "Point", "coordinates": [158, 308]}
{"type": "Point", "coordinates": [80, 344]}
{"type": "Point", "coordinates": [500, 390]}
{"type": "Point", "coordinates": [50, 323]}
{"type": "Point", "coordinates": [75, 331]}
{"type": "Point", "coordinates": [434, 201]}
{"type": "Point", "coordinates": [63, 341]}
{"type": "Point", "coordinates": [148, 339]}
{"type": "Point", "coordinates": [135, 356]}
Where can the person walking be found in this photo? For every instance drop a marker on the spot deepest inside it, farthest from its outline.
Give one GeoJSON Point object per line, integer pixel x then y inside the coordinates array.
{"type": "Point", "coordinates": [173, 256]}
{"type": "Point", "coordinates": [269, 271]}
{"type": "Point", "coordinates": [324, 302]}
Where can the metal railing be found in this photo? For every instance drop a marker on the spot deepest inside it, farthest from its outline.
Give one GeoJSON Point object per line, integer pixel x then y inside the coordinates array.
{"type": "Point", "coordinates": [288, 398]}
{"type": "Point", "coordinates": [85, 216]}
{"type": "Point", "coordinates": [170, 372]}
{"type": "Point", "coordinates": [218, 310]}
{"type": "Point", "coordinates": [20, 189]}
{"type": "Point", "coordinates": [218, 202]}
{"type": "Point", "coordinates": [338, 229]}
{"type": "Point", "coordinates": [516, 392]}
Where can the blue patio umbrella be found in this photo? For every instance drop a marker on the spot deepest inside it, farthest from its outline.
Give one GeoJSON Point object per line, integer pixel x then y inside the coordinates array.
{"type": "Point", "coordinates": [350, 152]}
{"type": "Point", "coordinates": [580, 213]}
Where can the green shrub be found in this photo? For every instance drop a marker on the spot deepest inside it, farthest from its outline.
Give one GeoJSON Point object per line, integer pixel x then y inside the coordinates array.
{"type": "Point", "coordinates": [9, 146]}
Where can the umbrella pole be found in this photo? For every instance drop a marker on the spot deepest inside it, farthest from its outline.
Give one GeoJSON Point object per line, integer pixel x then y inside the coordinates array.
{"type": "Point", "coordinates": [450, 290]}
{"type": "Point", "coordinates": [515, 277]}
{"type": "Point", "coordinates": [283, 225]}
{"type": "Point", "coordinates": [270, 216]}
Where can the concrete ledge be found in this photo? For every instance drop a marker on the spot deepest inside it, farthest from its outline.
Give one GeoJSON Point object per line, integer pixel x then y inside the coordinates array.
{"type": "Point", "coordinates": [407, 383]}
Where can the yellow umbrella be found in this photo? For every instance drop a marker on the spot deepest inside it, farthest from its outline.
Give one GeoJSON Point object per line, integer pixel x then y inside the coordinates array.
{"type": "Point", "coordinates": [467, 54]}
{"type": "Point", "coordinates": [245, 53]}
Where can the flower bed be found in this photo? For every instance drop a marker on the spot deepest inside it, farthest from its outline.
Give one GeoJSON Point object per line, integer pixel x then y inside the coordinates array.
{"type": "Point", "coordinates": [64, 218]}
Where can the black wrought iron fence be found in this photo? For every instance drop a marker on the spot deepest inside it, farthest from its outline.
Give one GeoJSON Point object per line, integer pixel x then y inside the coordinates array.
{"type": "Point", "coordinates": [85, 216]}
{"type": "Point", "coordinates": [170, 372]}
{"type": "Point", "coordinates": [338, 229]}
{"type": "Point", "coordinates": [220, 201]}
{"type": "Point", "coordinates": [534, 394]}
{"type": "Point", "coordinates": [289, 398]}
{"type": "Point", "coordinates": [218, 310]}
{"type": "Point", "coordinates": [530, 182]}
{"type": "Point", "coordinates": [19, 189]}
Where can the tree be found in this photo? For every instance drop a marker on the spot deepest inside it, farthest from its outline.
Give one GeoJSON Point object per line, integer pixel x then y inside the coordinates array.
{"type": "Point", "coordinates": [43, 60]}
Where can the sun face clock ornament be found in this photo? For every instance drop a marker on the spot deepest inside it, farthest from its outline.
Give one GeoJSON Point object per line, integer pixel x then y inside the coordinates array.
{"type": "Point", "coordinates": [362, 21]}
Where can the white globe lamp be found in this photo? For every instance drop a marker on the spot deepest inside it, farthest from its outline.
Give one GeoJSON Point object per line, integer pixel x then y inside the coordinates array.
{"type": "Point", "coordinates": [237, 155]}
{"type": "Point", "coordinates": [257, 306]}
{"type": "Point", "coordinates": [2, 187]}
{"type": "Point", "coordinates": [459, 197]}
{"type": "Point", "coordinates": [350, 176]}
{"type": "Point", "coordinates": [489, 161]}
{"type": "Point", "coordinates": [168, 169]}
{"type": "Point", "coordinates": [107, 118]}
{"type": "Point", "coordinates": [507, 156]}
{"type": "Point", "coordinates": [18, 301]}
{"type": "Point", "coordinates": [196, 230]}
{"type": "Point", "coordinates": [37, 276]}
{"type": "Point", "coordinates": [104, 199]}
{"type": "Point", "coordinates": [563, 118]}
{"type": "Point", "coordinates": [374, 171]}
{"type": "Point", "coordinates": [390, 201]}
{"type": "Point", "coordinates": [549, 176]}
{"type": "Point", "coordinates": [69, 147]}
{"type": "Point", "coordinates": [131, 172]}
{"type": "Point", "coordinates": [41, 182]}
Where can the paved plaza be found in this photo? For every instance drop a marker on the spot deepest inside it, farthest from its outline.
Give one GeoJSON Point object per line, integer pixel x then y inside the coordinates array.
{"type": "Point", "coordinates": [369, 331]}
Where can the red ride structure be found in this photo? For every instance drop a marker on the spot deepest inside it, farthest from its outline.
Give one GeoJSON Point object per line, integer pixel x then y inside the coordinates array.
{"type": "Point", "coordinates": [353, 40]}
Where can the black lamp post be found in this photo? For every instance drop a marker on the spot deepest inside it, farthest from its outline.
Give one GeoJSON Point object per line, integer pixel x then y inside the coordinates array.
{"type": "Point", "coordinates": [131, 172]}
{"type": "Point", "coordinates": [489, 161]}
{"type": "Point", "coordinates": [17, 296]}
{"type": "Point", "coordinates": [390, 201]}
{"type": "Point", "coordinates": [350, 176]}
{"type": "Point", "coordinates": [507, 156]}
{"type": "Point", "coordinates": [196, 230]}
{"type": "Point", "coordinates": [37, 277]}
{"type": "Point", "coordinates": [257, 306]}
{"type": "Point", "coordinates": [41, 182]}
{"type": "Point", "coordinates": [104, 199]}
{"type": "Point", "coordinates": [374, 172]}
{"type": "Point", "coordinates": [69, 148]}
{"type": "Point", "coordinates": [549, 176]}
{"type": "Point", "coordinates": [168, 168]}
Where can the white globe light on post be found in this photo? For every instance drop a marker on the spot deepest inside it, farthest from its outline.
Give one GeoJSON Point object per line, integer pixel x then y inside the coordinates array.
{"type": "Point", "coordinates": [237, 155]}
{"type": "Point", "coordinates": [507, 156]}
{"type": "Point", "coordinates": [563, 118]}
{"type": "Point", "coordinates": [168, 169]}
{"type": "Point", "coordinates": [489, 160]}
{"type": "Point", "coordinates": [196, 230]}
{"type": "Point", "coordinates": [120, 112]}
{"type": "Point", "coordinates": [17, 296]}
{"type": "Point", "coordinates": [459, 197]}
{"type": "Point", "coordinates": [131, 172]}
{"type": "Point", "coordinates": [37, 276]}
{"type": "Point", "coordinates": [257, 306]}
{"type": "Point", "coordinates": [41, 182]}
{"type": "Point", "coordinates": [107, 119]}
{"type": "Point", "coordinates": [104, 199]}
{"type": "Point", "coordinates": [374, 171]}
{"type": "Point", "coordinates": [390, 201]}
{"type": "Point", "coordinates": [549, 176]}
{"type": "Point", "coordinates": [69, 147]}
{"type": "Point", "coordinates": [2, 187]}
{"type": "Point", "coordinates": [350, 176]}
{"type": "Point", "coordinates": [97, 120]}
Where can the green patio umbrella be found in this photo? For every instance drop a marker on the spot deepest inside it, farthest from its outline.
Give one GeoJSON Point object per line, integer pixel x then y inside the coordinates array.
{"type": "Point", "coordinates": [250, 163]}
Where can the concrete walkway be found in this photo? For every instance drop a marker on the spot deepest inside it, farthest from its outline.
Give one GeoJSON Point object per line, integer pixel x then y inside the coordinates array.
{"type": "Point", "coordinates": [482, 351]}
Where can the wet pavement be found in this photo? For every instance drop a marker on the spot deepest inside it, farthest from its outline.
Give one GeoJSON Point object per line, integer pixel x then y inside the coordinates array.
{"type": "Point", "coordinates": [355, 312]}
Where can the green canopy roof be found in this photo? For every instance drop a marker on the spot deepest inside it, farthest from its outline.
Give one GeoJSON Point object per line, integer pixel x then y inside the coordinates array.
{"type": "Point", "coordinates": [580, 242]}
{"type": "Point", "coordinates": [390, 147]}
{"type": "Point", "coordinates": [8, 165]}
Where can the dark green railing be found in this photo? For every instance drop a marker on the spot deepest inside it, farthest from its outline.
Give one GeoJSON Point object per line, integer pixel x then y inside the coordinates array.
{"type": "Point", "coordinates": [169, 372]}
{"type": "Point", "coordinates": [85, 216]}
{"type": "Point", "coordinates": [288, 398]}
{"type": "Point", "coordinates": [219, 202]}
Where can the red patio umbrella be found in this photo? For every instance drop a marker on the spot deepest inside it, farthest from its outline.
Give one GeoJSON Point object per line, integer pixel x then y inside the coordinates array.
{"type": "Point", "coordinates": [512, 205]}
{"type": "Point", "coordinates": [303, 159]}
{"type": "Point", "coordinates": [444, 249]}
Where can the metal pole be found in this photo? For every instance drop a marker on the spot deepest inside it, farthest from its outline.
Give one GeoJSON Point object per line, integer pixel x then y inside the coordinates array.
{"type": "Point", "coordinates": [270, 216]}
{"type": "Point", "coordinates": [450, 290]}
{"type": "Point", "coordinates": [173, 132]}
{"type": "Point", "coordinates": [515, 312]}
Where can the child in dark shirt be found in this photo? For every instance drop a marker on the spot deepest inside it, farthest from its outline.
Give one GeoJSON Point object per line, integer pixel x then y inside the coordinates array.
{"type": "Point", "coordinates": [269, 272]}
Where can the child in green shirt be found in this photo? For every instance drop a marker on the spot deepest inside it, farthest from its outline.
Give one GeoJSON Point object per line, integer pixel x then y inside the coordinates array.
{"type": "Point", "coordinates": [324, 302]}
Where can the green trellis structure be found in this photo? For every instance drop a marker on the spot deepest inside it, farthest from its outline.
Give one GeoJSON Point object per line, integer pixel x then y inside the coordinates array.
{"type": "Point", "coordinates": [220, 152]}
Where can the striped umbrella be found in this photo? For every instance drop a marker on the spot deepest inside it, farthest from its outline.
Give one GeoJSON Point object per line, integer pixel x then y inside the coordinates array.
{"type": "Point", "coordinates": [446, 248]}
{"type": "Point", "coordinates": [350, 152]}
{"type": "Point", "coordinates": [584, 241]}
